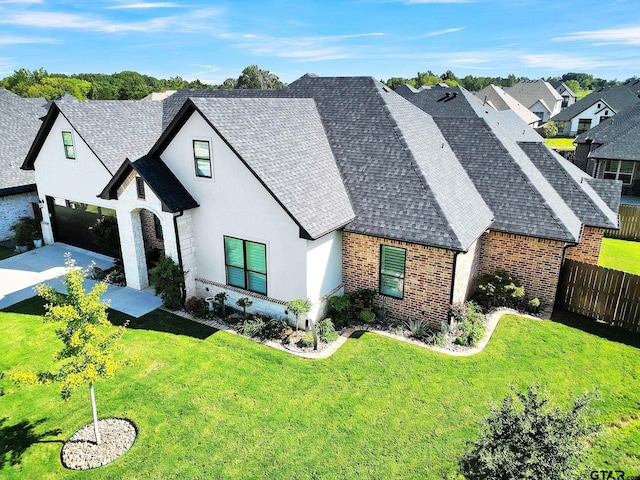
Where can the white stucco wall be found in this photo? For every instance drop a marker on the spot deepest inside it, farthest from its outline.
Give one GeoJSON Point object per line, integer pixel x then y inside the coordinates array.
{"type": "Point", "coordinates": [80, 180]}
{"type": "Point", "coordinates": [467, 265]}
{"type": "Point", "coordinates": [12, 207]}
{"type": "Point", "coordinates": [324, 271]}
{"type": "Point", "coordinates": [594, 112]}
{"type": "Point", "coordinates": [234, 203]}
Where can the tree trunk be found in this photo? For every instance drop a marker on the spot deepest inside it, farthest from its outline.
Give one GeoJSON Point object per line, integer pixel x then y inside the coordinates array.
{"type": "Point", "coordinates": [95, 415]}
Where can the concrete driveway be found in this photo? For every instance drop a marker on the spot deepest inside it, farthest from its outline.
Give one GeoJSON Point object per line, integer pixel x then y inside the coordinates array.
{"type": "Point", "coordinates": [21, 273]}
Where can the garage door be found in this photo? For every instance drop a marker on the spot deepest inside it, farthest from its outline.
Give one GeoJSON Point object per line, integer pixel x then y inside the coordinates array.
{"type": "Point", "coordinates": [86, 226]}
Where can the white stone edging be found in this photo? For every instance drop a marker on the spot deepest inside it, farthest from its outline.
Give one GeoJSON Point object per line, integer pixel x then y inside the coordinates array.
{"type": "Point", "coordinates": [492, 319]}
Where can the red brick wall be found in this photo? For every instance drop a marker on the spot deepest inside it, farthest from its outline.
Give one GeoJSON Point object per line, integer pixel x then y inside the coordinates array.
{"type": "Point", "coordinates": [588, 250]}
{"type": "Point", "coordinates": [428, 275]}
{"type": "Point", "coordinates": [535, 262]}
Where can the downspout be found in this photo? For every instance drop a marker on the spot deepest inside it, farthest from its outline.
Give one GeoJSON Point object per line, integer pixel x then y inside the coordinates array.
{"type": "Point", "coordinates": [453, 280]}
{"type": "Point", "coordinates": [175, 229]}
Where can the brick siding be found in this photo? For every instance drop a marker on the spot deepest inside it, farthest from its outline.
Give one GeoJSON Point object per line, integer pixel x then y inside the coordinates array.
{"type": "Point", "coordinates": [588, 250]}
{"type": "Point", "coordinates": [535, 262]}
{"type": "Point", "coordinates": [428, 275]}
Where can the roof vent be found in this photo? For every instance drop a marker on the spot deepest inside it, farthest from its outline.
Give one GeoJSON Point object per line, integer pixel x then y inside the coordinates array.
{"type": "Point", "coordinates": [454, 94]}
{"type": "Point", "coordinates": [447, 94]}
{"type": "Point", "coordinates": [385, 88]}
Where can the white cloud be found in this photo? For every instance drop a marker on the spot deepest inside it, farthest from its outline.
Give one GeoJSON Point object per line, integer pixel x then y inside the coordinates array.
{"type": "Point", "coordinates": [560, 61]}
{"type": "Point", "coordinates": [301, 49]}
{"type": "Point", "coordinates": [144, 5]}
{"type": "Point", "coordinates": [17, 40]}
{"type": "Point", "coordinates": [23, 2]}
{"type": "Point", "coordinates": [441, 32]}
{"type": "Point", "coordinates": [193, 21]}
{"type": "Point", "coordinates": [607, 36]}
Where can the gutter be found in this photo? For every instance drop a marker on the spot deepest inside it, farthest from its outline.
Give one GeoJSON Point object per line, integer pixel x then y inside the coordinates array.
{"type": "Point", "coordinates": [453, 280]}
{"type": "Point", "coordinates": [175, 229]}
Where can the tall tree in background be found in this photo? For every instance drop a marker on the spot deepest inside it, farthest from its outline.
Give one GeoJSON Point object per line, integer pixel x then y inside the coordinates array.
{"type": "Point", "coordinates": [256, 78]}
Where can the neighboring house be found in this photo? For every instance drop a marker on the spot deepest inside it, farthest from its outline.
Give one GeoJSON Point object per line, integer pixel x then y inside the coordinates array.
{"type": "Point", "coordinates": [501, 100]}
{"type": "Point", "coordinates": [596, 107]}
{"type": "Point", "coordinates": [325, 186]}
{"type": "Point", "coordinates": [612, 149]}
{"type": "Point", "coordinates": [568, 97]}
{"type": "Point", "coordinates": [19, 123]}
{"type": "Point", "coordinates": [538, 96]}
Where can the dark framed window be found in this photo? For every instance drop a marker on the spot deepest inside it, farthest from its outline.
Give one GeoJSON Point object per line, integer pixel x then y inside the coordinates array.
{"type": "Point", "coordinates": [584, 124]}
{"type": "Point", "coordinates": [158, 225]}
{"type": "Point", "coordinates": [69, 150]}
{"type": "Point", "coordinates": [619, 170]}
{"type": "Point", "coordinates": [246, 264]}
{"type": "Point", "coordinates": [392, 268]}
{"type": "Point", "coordinates": [140, 188]}
{"type": "Point", "coordinates": [202, 158]}
{"type": "Point", "coordinates": [565, 101]}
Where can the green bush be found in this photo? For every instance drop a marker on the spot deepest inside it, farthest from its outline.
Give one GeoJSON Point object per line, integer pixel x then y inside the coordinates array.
{"type": "Point", "coordinates": [367, 317]}
{"type": "Point", "coordinates": [533, 306]}
{"type": "Point", "coordinates": [470, 321]}
{"type": "Point", "coordinates": [197, 307]}
{"type": "Point", "coordinates": [263, 327]}
{"type": "Point", "coordinates": [526, 438]}
{"type": "Point", "coordinates": [306, 341]}
{"type": "Point", "coordinates": [420, 330]}
{"type": "Point", "coordinates": [499, 289]}
{"type": "Point", "coordinates": [24, 231]}
{"type": "Point", "coordinates": [326, 331]}
{"type": "Point", "coordinates": [366, 296]}
{"type": "Point", "coordinates": [168, 280]}
{"type": "Point", "coordinates": [340, 310]}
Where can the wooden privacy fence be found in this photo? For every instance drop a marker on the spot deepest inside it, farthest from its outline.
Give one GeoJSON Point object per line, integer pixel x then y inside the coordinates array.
{"type": "Point", "coordinates": [629, 224]}
{"type": "Point", "coordinates": [597, 292]}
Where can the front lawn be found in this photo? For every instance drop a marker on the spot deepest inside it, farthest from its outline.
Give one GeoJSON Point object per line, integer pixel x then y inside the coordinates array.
{"type": "Point", "coordinates": [209, 404]}
{"type": "Point", "coordinates": [560, 143]}
{"type": "Point", "coordinates": [620, 255]}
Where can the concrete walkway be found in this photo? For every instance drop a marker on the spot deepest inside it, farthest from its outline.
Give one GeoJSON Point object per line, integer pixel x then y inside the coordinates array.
{"type": "Point", "coordinates": [21, 273]}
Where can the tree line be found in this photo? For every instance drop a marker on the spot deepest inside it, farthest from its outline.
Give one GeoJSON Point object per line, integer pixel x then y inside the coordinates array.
{"type": "Point", "coordinates": [129, 85]}
{"type": "Point", "coordinates": [126, 85]}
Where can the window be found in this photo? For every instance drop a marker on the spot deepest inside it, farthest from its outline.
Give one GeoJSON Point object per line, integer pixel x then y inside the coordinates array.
{"type": "Point", "coordinates": [202, 157]}
{"type": "Point", "coordinates": [140, 188]}
{"type": "Point", "coordinates": [540, 115]}
{"type": "Point", "coordinates": [392, 263]}
{"type": "Point", "coordinates": [158, 226]}
{"type": "Point", "coordinates": [246, 264]}
{"type": "Point", "coordinates": [584, 124]}
{"type": "Point", "coordinates": [565, 101]}
{"type": "Point", "coordinates": [67, 141]}
{"type": "Point", "coordinates": [619, 170]}
{"type": "Point", "coordinates": [603, 118]}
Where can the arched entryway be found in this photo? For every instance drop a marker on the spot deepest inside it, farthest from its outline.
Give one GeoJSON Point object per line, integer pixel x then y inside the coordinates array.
{"type": "Point", "coordinates": [152, 237]}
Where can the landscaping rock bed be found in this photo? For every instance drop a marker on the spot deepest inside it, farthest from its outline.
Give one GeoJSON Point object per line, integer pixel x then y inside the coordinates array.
{"type": "Point", "coordinates": [81, 452]}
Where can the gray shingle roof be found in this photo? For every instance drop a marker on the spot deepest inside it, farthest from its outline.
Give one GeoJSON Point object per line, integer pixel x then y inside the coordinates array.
{"type": "Point", "coordinates": [608, 190]}
{"type": "Point", "coordinates": [617, 98]}
{"type": "Point", "coordinates": [611, 127]}
{"type": "Point", "coordinates": [520, 197]}
{"type": "Point", "coordinates": [528, 92]}
{"type": "Point", "coordinates": [173, 195]}
{"type": "Point", "coordinates": [283, 142]}
{"type": "Point", "coordinates": [568, 181]}
{"type": "Point", "coordinates": [618, 136]}
{"type": "Point", "coordinates": [383, 161]}
{"type": "Point", "coordinates": [19, 124]}
{"type": "Point", "coordinates": [565, 88]}
{"type": "Point", "coordinates": [115, 129]}
{"type": "Point", "coordinates": [502, 101]}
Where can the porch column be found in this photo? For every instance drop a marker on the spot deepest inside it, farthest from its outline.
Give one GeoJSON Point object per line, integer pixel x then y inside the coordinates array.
{"type": "Point", "coordinates": [132, 244]}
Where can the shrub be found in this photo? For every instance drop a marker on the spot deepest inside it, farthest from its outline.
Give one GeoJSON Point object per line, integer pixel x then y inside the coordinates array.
{"type": "Point", "coordinates": [197, 307]}
{"type": "Point", "coordinates": [298, 307]}
{"type": "Point", "coordinates": [420, 330]}
{"type": "Point", "coordinates": [168, 280]}
{"type": "Point", "coordinates": [533, 306]}
{"type": "Point", "coordinates": [244, 303]}
{"type": "Point", "coordinates": [326, 331]}
{"type": "Point", "coordinates": [24, 231]}
{"type": "Point", "coordinates": [526, 438]}
{"type": "Point", "coordinates": [499, 289]}
{"type": "Point", "coordinates": [550, 130]}
{"type": "Point", "coordinates": [263, 327]}
{"type": "Point", "coordinates": [306, 341]}
{"type": "Point", "coordinates": [366, 296]}
{"type": "Point", "coordinates": [470, 321]}
{"type": "Point", "coordinates": [220, 298]}
{"type": "Point", "coordinates": [340, 308]}
{"type": "Point", "coordinates": [367, 317]}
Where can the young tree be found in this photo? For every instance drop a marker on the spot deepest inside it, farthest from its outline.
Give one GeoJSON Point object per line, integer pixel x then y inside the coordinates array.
{"type": "Point", "coordinates": [86, 333]}
{"type": "Point", "coordinates": [529, 439]}
{"type": "Point", "coordinates": [298, 307]}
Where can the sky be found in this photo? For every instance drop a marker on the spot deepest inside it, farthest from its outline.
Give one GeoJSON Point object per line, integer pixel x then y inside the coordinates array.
{"type": "Point", "coordinates": [215, 40]}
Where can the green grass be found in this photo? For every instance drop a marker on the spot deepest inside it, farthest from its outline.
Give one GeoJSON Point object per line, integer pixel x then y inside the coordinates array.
{"type": "Point", "coordinates": [620, 255]}
{"type": "Point", "coordinates": [6, 252]}
{"type": "Point", "coordinates": [560, 143]}
{"type": "Point", "coordinates": [209, 404]}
